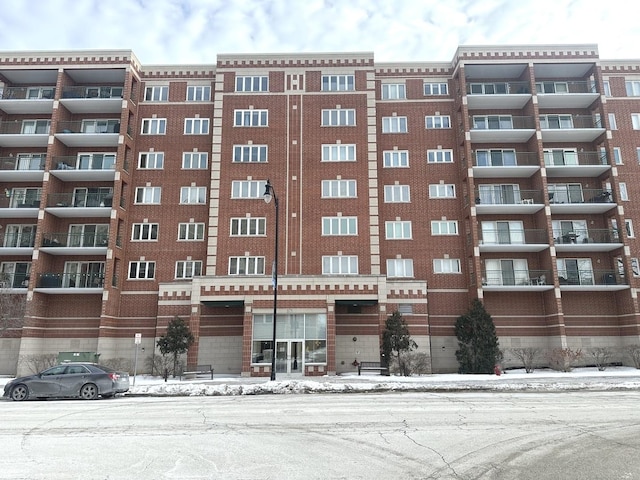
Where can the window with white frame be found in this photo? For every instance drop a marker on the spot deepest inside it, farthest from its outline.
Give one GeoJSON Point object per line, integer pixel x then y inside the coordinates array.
{"type": "Point", "coordinates": [142, 270]}
{"type": "Point", "coordinates": [39, 127]}
{"type": "Point", "coordinates": [575, 271]}
{"type": "Point", "coordinates": [193, 195]}
{"type": "Point", "coordinates": [633, 88]}
{"type": "Point", "coordinates": [400, 267]}
{"type": "Point", "coordinates": [442, 190]}
{"type": "Point", "coordinates": [635, 121]}
{"type": "Point", "coordinates": [439, 156]}
{"type": "Point", "coordinates": [19, 235]}
{"type": "Point", "coordinates": [628, 225]}
{"type": "Point", "coordinates": [192, 231]}
{"type": "Point", "coordinates": [507, 271]}
{"type": "Point", "coordinates": [638, 154]}
{"type": "Point", "coordinates": [154, 126]}
{"type": "Point", "coordinates": [151, 160]}
{"type": "Point", "coordinates": [252, 84]}
{"type": "Point", "coordinates": [198, 93]}
{"type": "Point", "coordinates": [144, 232]}
{"type": "Point", "coordinates": [635, 267]}
{"type": "Point", "coordinates": [338, 189]}
{"type": "Point", "coordinates": [157, 93]}
{"type": "Point", "coordinates": [622, 186]}
{"type": "Point", "coordinates": [339, 265]}
{"type": "Point", "coordinates": [446, 265]}
{"type": "Point", "coordinates": [394, 124]}
{"type": "Point", "coordinates": [247, 188]}
{"type": "Point", "coordinates": [395, 158]}
{"type": "Point", "coordinates": [248, 226]}
{"type": "Point", "coordinates": [617, 156]}
{"type": "Point", "coordinates": [250, 153]}
{"type": "Point", "coordinates": [338, 83]}
{"type": "Point", "coordinates": [436, 89]}
{"type": "Point", "coordinates": [148, 195]}
{"type": "Point", "coordinates": [396, 194]}
{"type": "Point", "coordinates": [509, 232]}
{"type": "Point", "coordinates": [444, 227]}
{"type": "Point", "coordinates": [607, 88]}
{"type": "Point", "coordinates": [188, 268]}
{"type": "Point", "coordinates": [251, 118]}
{"type": "Point", "coordinates": [339, 225]}
{"type": "Point", "coordinates": [393, 91]}
{"type": "Point", "coordinates": [246, 265]}
{"type": "Point", "coordinates": [339, 152]}
{"type": "Point", "coordinates": [397, 230]}
{"type": "Point", "coordinates": [196, 126]}
{"type": "Point", "coordinates": [612, 121]}
{"type": "Point", "coordinates": [195, 160]}
{"type": "Point", "coordinates": [339, 117]}
{"type": "Point", "coordinates": [437, 121]}
{"type": "Point", "coordinates": [15, 274]}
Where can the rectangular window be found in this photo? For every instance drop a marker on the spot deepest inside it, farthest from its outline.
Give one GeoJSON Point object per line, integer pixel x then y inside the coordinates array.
{"type": "Point", "coordinates": [339, 117]}
{"type": "Point", "coordinates": [19, 235]}
{"type": "Point", "coordinates": [638, 154]}
{"type": "Point", "coordinates": [396, 194]}
{"type": "Point", "coordinates": [248, 227]}
{"type": "Point", "coordinates": [142, 270]}
{"type": "Point", "coordinates": [339, 153]}
{"type": "Point", "coordinates": [14, 274]}
{"type": "Point", "coordinates": [252, 84]}
{"type": "Point", "coordinates": [635, 121]}
{"type": "Point", "coordinates": [339, 265]}
{"type": "Point", "coordinates": [195, 160]}
{"type": "Point", "coordinates": [338, 83]}
{"type": "Point", "coordinates": [100, 126]}
{"type": "Point", "coordinates": [393, 91]}
{"type": "Point", "coordinates": [575, 271]}
{"type": "Point", "coordinates": [394, 124]}
{"type": "Point", "coordinates": [39, 127]}
{"type": "Point", "coordinates": [635, 267]}
{"type": "Point", "coordinates": [628, 225]}
{"type": "Point", "coordinates": [617, 156]}
{"type": "Point", "coordinates": [339, 225]}
{"type": "Point", "coordinates": [400, 267]}
{"type": "Point", "coordinates": [249, 153]}
{"type": "Point", "coordinates": [398, 230]}
{"type": "Point", "coordinates": [148, 195]}
{"type": "Point", "coordinates": [510, 232]}
{"type": "Point", "coordinates": [396, 158]}
{"type": "Point", "coordinates": [442, 190]}
{"type": "Point", "coordinates": [439, 156]}
{"type": "Point", "coordinates": [622, 186]}
{"type": "Point", "coordinates": [251, 118]}
{"type": "Point", "coordinates": [612, 121]}
{"type": "Point", "coordinates": [151, 160]}
{"type": "Point", "coordinates": [191, 231]}
{"type": "Point", "coordinates": [437, 121]}
{"type": "Point", "coordinates": [338, 189]}
{"type": "Point", "coordinates": [444, 227]}
{"type": "Point", "coordinates": [193, 195]}
{"type": "Point", "coordinates": [498, 122]}
{"type": "Point", "coordinates": [607, 88]}
{"type": "Point", "coordinates": [633, 88]}
{"type": "Point", "coordinates": [435, 89]}
{"type": "Point", "coordinates": [197, 93]}
{"type": "Point", "coordinates": [83, 275]}
{"type": "Point", "coordinates": [446, 265]}
{"type": "Point", "coordinates": [246, 265]}
{"type": "Point", "coordinates": [154, 126]}
{"type": "Point", "coordinates": [196, 126]}
{"type": "Point", "coordinates": [188, 268]}
{"type": "Point", "coordinates": [247, 188]}
{"type": "Point", "coordinates": [144, 232]}
{"type": "Point", "coordinates": [159, 93]}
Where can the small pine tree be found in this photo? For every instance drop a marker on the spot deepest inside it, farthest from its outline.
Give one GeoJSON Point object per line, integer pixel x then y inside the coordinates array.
{"type": "Point", "coordinates": [396, 340]}
{"type": "Point", "coordinates": [176, 341]}
{"type": "Point", "coordinates": [478, 347]}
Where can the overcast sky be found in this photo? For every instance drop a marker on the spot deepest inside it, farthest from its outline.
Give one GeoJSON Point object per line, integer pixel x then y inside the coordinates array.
{"type": "Point", "coordinates": [194, 31]}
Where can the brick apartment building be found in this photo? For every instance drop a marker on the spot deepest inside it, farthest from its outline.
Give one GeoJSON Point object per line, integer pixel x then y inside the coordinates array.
{"type": "Point", "coordinates": [133, 194]}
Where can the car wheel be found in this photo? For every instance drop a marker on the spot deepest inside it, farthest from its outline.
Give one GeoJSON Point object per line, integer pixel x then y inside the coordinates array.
{"type": "Point", "coordinates": [89, 392]}
{"type": "Point", "coordinates": [19, 392]}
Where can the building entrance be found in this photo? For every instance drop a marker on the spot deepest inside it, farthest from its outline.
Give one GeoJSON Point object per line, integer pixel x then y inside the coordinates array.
{"type": "Point", "coordinates": [289, 357]}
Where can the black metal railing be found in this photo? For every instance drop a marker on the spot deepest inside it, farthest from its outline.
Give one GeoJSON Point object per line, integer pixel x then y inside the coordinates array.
{"type": "Point", "coordinates": [92, 91]}
{"type": "Point", "coordinates": [79, 199]}
{"type": "Point", "coordinates": [75, 239]}
{"type": "Point", "coordinates": [497, 88]}
{"type": "Point", "coordinates": [514, 237]}
{"type": "Point", "coordinates": [500, 196]}
{"type": "Point", "coordinates": [28, 93]}
{"type": "Point", "coordinates": [70, 280]}
{"type": "Point", "coordinates": [591, 235]}
{"type": "Point", "coordinates": [507, 278]}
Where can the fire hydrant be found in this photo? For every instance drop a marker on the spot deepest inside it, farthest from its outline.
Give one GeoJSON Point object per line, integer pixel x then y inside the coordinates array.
{"type": "Point", "coordinates": [497, 370]}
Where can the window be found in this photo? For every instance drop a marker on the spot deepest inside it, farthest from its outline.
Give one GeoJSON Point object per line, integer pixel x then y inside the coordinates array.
{"type": "Point", "coordinates": [83, 275]}
{"type": "Point", "coordinates": [338, 189]}
{"type": "Point", "coordinates": [247, 188]}
{"type": "Point", "coordinates": [191, 231]}
{"type": "Point", "coordinates": [510, 271]}
{"type": "Point", "coordinates": [399, 267]}
{"type": "Point", "coordinates": [394, 124]}
{"type": "Point", "coordinates": [246, 265]}
{"type": "Point", "coordinates": [398, 230]}
{"type": "Point", "coordinates": [339, 265]}
{"type": "Point", "coordinates": [35, 161]}
{"type": "Point", "coordinates": [39, 127]}
{"type": "Point", "coordinates": [505, 232]}
{"type": "Point", "coordinates": [439, 156]}
{"type": "Point", "coordinates": [188, 268]}
{"type": "Point", "coordinates": [338, 117]}
{"type": "Point", "coordinates": [622, 186]}
{"type": "Point", "coordinates": [444, 227]}
{"type": "Point", "coordinates": [148, 195]}
{"type": "Point", "coordinates": [396, 194]}
{"type": "Point", "coordinates": [249, 153]}
{"type": "Point", "coordinates": [151, 160]}
{"type": "Point", "coordinates": [435, 89]}
{"type": "Point", "coordinates": [617, 156]}
{"type": "Point", "coordinates": [248, 227]}
{"type": "Point", "coordinates": [24, 197]}
{"type": "Point", "coordinates": [635, 267]}
{"type": "Point", "coordinates": [195, 160]}
{"type": "Point", "coordinates": [252, 84]}
{"type": "Point", "coordinates": [338, 83]}
{"type": "Point", "coordinates": [92, 161]}
{"type": "Point", "coordinates": [339, 153]}
{"type": "Point", "coordinates": [156, 94]}
{"type": "Point", "coordinates": [575, 271]}
{"type": "Point", "coordinates": [446, 265]}
{"type": "Point", "coordinates": [196, 126]}
{"type": "Point", "coordinates": [560, 156]}
{"type": "Point", "coordinates": [154, 126]}
{"type": "Point", "coordinates": [196, 93]}
{"type": "Point", "coordinates": [15, 274]}
{"type": "Point", "coordinates": [396, 158]}
{"type": "Point", "coordinates": [393, 91]}
{"type": "Point", "coordinates": [505, 194]}
{"type": "Point", "coordinates": [339, 225]}
{"type": "Point", "coordinates": [19, 235]}
{"type": "Point", "coordinates": [142, 270]}
{"type": "Point", "coordinates": [633, 88]}
{"type": "Point", "coordinates": [628, 225]}
{"type": "Point", "coordinates": [100, 126]}
{"type": "Point", "coordinates": [635, 121]}
{"type": "Point", "coordinates": [437, 121]}
{"type": "Point", "coordinates": [493, 122]}
{"type": "Point", "coordinates": [607, 88]}
{"type": "Point", "coordinates": [193, 195]}
{"type": "Point", "coordinates": [144, 232]}
{"type": "Point", "coordinates": [612, 121]}
{"type": "Point", "coordinates": [442, 190]}
{"type": "Point", "coordinates": [251, 118]}
{"type": "Point", "coordinates": [87, 235]}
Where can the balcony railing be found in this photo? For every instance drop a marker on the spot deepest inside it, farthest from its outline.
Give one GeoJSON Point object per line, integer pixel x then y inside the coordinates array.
{"type": "Point", "coordinates": [562, 87]}
{"type": "Point", "coordinates": [514, 237]}
{"type": "Point", "coordinates": [92, 91]}
{"type": "Point", "coordinates": [19, 200]}
{"type": "Point", "coordinates": [498, 88]}
{"type": "Point", "coordinates": [501, 122]}
{"type": "Point", "coordinates": [85, 162]}
{"type": "Point", "coordinates": [498, 196]}
{"type": "Point", "coordinates": [508, 278]}
{"type": "Point", "coordinates": [561, 158]}
{"type": "Point", "coordinates": [592, 235]}
{"type": "Point", "coordinates": [504, 158]}
{"type": "Point", "coordinates": [28, 93]}
{"type": "Point", "coordinates": [14, 280]}
{"type": "Point", "coordinates": [32, 163]}
{"type": "Point", "coordinates": [70, 280]}
{"type": "Point", "coordinates": [567, 122]}
{"type": "Point", "coordinates": [89, 126]}
{"type": "Point", "coordinates": [79, 199]}
{"type": "Point", "coordinates": [19, 240]}
{"type": "Point", "coordinates": [26, 127]}
{"type": "Point", "coordinates": [570, 194]}
{"type": "Point", "coordinates": [75, 239]}
{"type": "Point", "coordinates": [590, 277]}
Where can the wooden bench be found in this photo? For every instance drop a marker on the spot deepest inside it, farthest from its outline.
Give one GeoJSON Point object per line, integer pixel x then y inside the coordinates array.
{"type": "Point", "coordinates": [372, 367]}
{"type": "Point", "coordinates": [195, 370]}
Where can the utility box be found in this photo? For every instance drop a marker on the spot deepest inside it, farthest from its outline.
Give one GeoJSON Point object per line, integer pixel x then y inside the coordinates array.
{"type": "Point", "coordinates": [90, 357]}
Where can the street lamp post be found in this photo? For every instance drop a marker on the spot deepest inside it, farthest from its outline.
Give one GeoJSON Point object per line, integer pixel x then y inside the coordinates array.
{"type": "Point", "coordinates": [270, 194]}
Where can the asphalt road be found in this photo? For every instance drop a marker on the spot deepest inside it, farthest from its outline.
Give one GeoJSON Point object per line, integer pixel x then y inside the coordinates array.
{"type": "Point", "coordinates": [569, 435]}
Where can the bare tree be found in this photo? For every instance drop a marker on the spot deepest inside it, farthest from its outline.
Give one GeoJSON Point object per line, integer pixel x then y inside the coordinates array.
{"type": "Point", "coordinates": [528, 356]}
{"type": "Point", "coordinates": [563, 359]}
{"type": "Point", "coordinates": [38, 362]}
{"type": "Point", "coordinates": [634, 352]}
{"type": "Point", "coordinates": [601, 356]}
{"type": "Point", "coordinates": [12, 310]}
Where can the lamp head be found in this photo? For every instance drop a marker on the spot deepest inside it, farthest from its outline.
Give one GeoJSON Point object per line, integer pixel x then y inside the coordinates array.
{"type": "Point", "coordinates": [268, 192]}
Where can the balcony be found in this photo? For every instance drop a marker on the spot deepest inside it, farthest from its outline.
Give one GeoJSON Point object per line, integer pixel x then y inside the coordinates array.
{"type": "Point", "coordinates": [572, 198]}
{"type": "Point", "coordinates": [92, 99]}
{"type": "Point", "coordinates": [20, 203]}
{"type": "Point", "coordinates": [70, 283]}
{"type": "Point", "coordinates": [36, 100]}
{"type": "Point", "coordinates": [517, 280]}
{"type": "Point", "coordinates": [24, 133]}
{"type": "Point", "coordinates": [75, 243]}
{"type": "Point", "coordinates": [570, 128]}
{"type": "Point", "coordinates": [502, 163]}
{"type": "Point", "coordinates": [89, 133]}
{"type": "Point", "coordinates": [504, 199]}
{"type": "Point", "coordinates": [17, 243]}
{"type": "Point", "coordinates": [501, 128]}
{"type": "Point", "coordinates": [497, 95]}
{"type": "Point", "coordinates": [571, 163]}
{"type": "Point", "coordinates": [591, 280]}
{"type": "Point", "coordinates": [91, 167]}
{"type": "Point", "coordinates": [23, 168]}
{"type": "Point", "coordinates": [527, 240]}
{"type": "Point", "coordinates": [81, 203]}
{"type": "Point", "coordinates": [566, 94]}
{"type": "Point", "coordinates": [591, 240]}
{"type": "Point", "coordinates": [14, 281]}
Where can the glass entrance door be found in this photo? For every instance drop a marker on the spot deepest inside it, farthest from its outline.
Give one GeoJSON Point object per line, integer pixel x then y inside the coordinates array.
{"type": "Point", "coordinates": [289, 357]}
